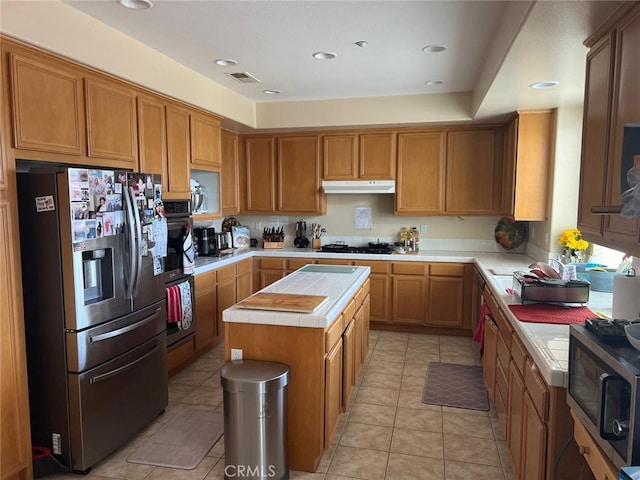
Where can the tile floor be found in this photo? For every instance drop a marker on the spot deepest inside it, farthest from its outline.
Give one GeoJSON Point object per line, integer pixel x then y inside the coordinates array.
{"type": "Point", "coordinates": [387, 433]}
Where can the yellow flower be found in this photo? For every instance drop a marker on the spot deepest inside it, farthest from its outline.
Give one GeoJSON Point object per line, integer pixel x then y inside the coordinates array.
{"type": "Point", "coordinates": [572, 239]}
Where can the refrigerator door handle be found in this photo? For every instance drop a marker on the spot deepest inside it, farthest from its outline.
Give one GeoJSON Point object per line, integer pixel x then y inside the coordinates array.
{"type": "Point", "coordinates": [138, 233]}
{"type": "Point", "coordinates": [120, 331]}
{"type": "Point", "coordinates": [132, 243]}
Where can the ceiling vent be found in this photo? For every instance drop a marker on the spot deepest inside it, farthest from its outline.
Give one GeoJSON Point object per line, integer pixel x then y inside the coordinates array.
{"type": "Point", "coordinates": [243, 77]}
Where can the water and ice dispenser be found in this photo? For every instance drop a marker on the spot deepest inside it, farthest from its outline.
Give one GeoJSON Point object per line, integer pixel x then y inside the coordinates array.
{"type": "Point", "coordinates": [97, 270]}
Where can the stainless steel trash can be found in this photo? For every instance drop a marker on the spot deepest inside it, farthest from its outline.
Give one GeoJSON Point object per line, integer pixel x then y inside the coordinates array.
{"type": "Point", "coordinates": [255, 419]}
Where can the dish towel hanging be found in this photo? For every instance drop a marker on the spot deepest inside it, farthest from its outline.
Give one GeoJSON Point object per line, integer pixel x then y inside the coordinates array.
{"type": "Point", "coordinates": [187, 309]}
{"type": "Point", "coordinates": [174, 305]}
{"type": "Point", "coordinates": [188, 253]}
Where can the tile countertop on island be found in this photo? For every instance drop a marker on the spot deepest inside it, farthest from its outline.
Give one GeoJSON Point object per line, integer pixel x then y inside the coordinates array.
{"type": "Point", "coordinates": [547, 344]}
{"type": "Point", "coordinates": [339, 284]}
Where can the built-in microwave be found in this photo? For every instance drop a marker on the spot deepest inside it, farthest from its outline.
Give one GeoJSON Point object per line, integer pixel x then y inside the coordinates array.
{"type": "Point", "coordinates": [603, 393]}
{"type": "Point", "coordinates": [179, 225]}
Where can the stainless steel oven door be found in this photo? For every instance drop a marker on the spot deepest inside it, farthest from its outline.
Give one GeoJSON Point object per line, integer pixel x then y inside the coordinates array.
{"type": "Point", "coordinates": [174, 334]}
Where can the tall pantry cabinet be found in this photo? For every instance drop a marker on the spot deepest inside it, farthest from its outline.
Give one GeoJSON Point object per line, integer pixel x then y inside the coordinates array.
{"type": "Point", "coordinates": [15, 437]}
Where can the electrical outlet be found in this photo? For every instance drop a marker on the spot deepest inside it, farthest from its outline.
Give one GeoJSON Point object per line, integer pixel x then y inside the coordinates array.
{"type": "Point", "coordinates": [236, 354]}
{"type": "Point", "coordinates": [258, 226]}
{"type": "Point", "coordinates": [423, 228]}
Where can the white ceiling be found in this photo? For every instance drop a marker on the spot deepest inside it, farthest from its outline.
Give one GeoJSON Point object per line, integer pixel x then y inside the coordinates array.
{"type": "Point", "coordinates": [495, 49]}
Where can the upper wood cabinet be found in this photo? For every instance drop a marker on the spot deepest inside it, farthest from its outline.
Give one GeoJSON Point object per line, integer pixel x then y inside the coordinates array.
{"type": "Point", "coordinates": [282, 174]}
{"type": "Point", "coordinates": [421, 171]}
{"type": "Point", "coordinates": [178, 152]}
{"type": "Point", "coordinates": [260, 172]}
{"type": "Point", "coordinates": [612, 75]}
{"type": "Point", "coordinates": [365, 156]}
{"type": "Point", "coordinates": [205, 141]}
{"type": "Point", "coordinates": [112, 131]}
{"type": "Point", "coordinates": [474, 172]}
{"type": "Point", "coordinates": [48, 106]}
{"type": "Point", "coordinates": [152, 137]}
{"type": "Point", "coordinates": [299, 175]}
{"type": "Point", "coordinates": [230, 174]}
{"type": "Point", "coordinates": [526, 165]}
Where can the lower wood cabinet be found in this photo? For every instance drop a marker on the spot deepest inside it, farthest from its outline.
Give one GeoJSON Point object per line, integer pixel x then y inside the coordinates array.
{"type": "Point", "coordinates": [348, 367]}
{"type": "Point", "coordinates": [332, 392]}
{"type": "Point", "coordinates": [205, 309]}
{"type": "Point", "coordinates": [600, 465]}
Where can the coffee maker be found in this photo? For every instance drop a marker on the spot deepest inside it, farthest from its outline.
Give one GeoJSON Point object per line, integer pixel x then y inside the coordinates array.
{"type": "Point", "coordinates": [206, 241]}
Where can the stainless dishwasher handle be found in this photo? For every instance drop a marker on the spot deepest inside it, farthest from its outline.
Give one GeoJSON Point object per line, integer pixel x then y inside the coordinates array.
{"type": "Point", "coordinates": [124, 368]}
{"type": "Point", "coordinates": [120, 331]}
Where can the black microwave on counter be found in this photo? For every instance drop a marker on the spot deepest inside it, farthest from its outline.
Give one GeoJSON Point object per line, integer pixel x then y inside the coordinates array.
{"type": "Point", "coordinates": [603, 392]}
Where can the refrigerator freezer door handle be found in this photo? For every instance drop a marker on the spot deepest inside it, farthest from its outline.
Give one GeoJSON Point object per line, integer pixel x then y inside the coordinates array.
{"type": "Point", "coordinates": [132, 237]}
{"type": "Point", "coordinates": [138, 233]}
{"type": "Point", "coordinates": [124, 368]}
{"type": "Point", "coordinates": [120, 331]}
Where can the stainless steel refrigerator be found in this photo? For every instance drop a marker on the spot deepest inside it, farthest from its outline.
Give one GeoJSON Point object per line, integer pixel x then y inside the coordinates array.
{"type": "Point", "coordinates": [92, 243]}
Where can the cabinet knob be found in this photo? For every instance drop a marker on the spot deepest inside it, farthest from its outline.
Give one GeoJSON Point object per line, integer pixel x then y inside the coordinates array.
{"type": "Point", "coordinates": [584, 450]}
{"type": "Point", "coordinates": [534, 369]}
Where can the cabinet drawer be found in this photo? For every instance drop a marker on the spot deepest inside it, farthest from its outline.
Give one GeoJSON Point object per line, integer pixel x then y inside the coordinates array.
{"type": "Point", "coordinates": [333, 333]}
{"type": "Point", "coordinates": [503, 354]}
{"type": "Point", "coordinates": [376, 267]}
{"type": "Point", "coordinates": [491, 303]}
{"type": "Point", "coordinates": [205, 280]}
{"type": "Point", "coordinates": [296, 263]}
{"type": "Point", "coordinates": [359, 297]}
{"type": "Point", "coordinates": [409, 268]}
{"type": "Point", "coordinates": [272, 263]}
{"type": "Point", "coordinates": [447, 269]}
{"type": "Point", "coordinates": [226, 273]}
{"type": "Point", "coordinates": [243, 267]}
{"type": "Point", "coordinates": [365, 288]}
{"type": "Point", "coordinates": [502, 384]}
{"type": "Point", "coordinates": [349, 311]}
{"type": "Point", "coordinates": [601, 468]}
{"type": "Point", "coordinates": [518, 353]}
{"type": "Point", "coordinates": [504, 326]}
{"type": "Point", "coordinates": [537, 389]}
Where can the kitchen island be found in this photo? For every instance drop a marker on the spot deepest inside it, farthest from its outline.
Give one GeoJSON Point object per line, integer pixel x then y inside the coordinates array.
{"type": "Point", "coordinates": [324, 349]}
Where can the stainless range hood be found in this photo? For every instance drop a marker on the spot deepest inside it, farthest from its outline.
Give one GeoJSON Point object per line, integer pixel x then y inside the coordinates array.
{"type": "Point", "coordinates": [359, 186]}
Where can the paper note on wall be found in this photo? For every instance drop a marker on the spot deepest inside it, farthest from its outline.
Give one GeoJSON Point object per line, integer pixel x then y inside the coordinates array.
{"type": "Point", "coordinates": [362, 218]}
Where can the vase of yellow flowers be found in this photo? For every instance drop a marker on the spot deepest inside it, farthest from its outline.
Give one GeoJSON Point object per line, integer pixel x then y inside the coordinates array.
{"type": "Point", "coordinates": [573, 246]}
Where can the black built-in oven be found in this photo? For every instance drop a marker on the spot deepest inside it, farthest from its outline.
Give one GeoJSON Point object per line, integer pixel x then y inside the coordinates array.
{"type": "Point", "coordinates": [603, 392]}
{"type": "Point", "coordinates": [179, 226]}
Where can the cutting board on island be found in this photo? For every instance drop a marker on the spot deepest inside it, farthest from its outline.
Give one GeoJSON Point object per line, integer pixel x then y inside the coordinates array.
{"type": "Point", "coordinates": [283, 302]}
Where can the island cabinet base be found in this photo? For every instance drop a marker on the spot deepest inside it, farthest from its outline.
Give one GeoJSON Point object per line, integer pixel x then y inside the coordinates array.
{"type": "Point", "coordinates": [303, 350]}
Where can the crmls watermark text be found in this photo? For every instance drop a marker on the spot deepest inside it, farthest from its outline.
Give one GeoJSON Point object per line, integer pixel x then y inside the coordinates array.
{"type": "Point", "coordinates": [240, 471]}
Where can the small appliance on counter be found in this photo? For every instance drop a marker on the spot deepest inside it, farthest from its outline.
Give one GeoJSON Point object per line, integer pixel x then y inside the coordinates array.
{"type": "Point", "coordinates": [301, 241]}
{"type": "Point", "coordinates": [531, 288]}
{"type": "Point", "coordinates": [212, 243]}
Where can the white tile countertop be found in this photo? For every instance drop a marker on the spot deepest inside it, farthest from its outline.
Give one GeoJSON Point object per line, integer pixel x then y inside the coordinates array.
{"type": "Point", "coordinates": [547, 344]}
{"type": "Point", "coordinates": [338, 283]}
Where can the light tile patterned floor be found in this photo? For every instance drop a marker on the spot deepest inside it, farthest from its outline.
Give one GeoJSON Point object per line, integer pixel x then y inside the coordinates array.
{"type": "Point", "coordinates": [387, 433]}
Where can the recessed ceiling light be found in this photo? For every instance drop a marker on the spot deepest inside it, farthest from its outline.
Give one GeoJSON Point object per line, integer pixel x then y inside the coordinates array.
{"type": "Point", "coordinates": [549, 84]}
{"type": "Point", "coordinates": [225, 62]}
{"type": "Point", "coordinates": [433, 83]}
{"type": "Point", "coordinates": [362, 43]}
{"type": "Point", "coordinates": [324, 55]}
{"type": "Point", "coordinates": [434, 48]}
{"type": "Point", "coordinates": [271, 92]}
{"type": "Point", "coordinates": [136, 4]}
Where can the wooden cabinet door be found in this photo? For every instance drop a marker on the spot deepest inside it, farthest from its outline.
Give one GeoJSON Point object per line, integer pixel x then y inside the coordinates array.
{"type": "Point", "coordinates": [380, 291]}
{"type": "Point", "coordinates": [243, 286]}
{"type": "Point", "coordinates": [348, 364]}
{"type": "Point", "coordinates": [619, 230]}
{"type": "Point", "coordinates": [489, 357]}
{"type": "Point", "coordinates": [445, 301]}
{"type": "Point", "coordinates": [474, 173]}
{"type": "Point", "coordinates": [366, 324]}
{"type": "Point", "coordinates": [377, 156]}
{"type": "Point", "coordinates": [340, 155]}
{"type": "Point", "coordinates": [595, 135]}
{"type": "Point", "coordinates": [48, 107]}
{"type": "Point", "coordinates": [152, 136]}
{"type": "Point", "coordinates": [112, 130]}
{"type": "Point", "coordinates": [408, 301]}
{"type": "Point", "coordinates": [205, 309]}
{"type": "Point", "coordinates": [534, 443]}
{"type": "Point", "coordinates": [421, 169]}
{"type": "Point", "coordinates": [178, 152]}
{"type": "Point", "coordinates": [267, 277]}
{"type": "Point", "coordinates": [358, 357]}
{"type": "Point", "coordinates": [515, 407]}
{"type": "Point", "coordinates": [260, 174]}
{"type": "Point", "coordinates": [15, 436]}
{"type": "Point", "coordinates": [332, 392]}
{"type": "Point", "coordinates": [205, 141]}
{"type": "Point", "coordinates": [229, 174]}
{"type": "Point", "coordinates": [226, 297]}
{"type": "Point", "coordinates": [299, 175]}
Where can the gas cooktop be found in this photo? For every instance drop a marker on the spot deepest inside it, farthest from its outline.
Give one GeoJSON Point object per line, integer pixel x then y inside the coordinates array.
{"type": "Point", "coordinates": [377, 248]}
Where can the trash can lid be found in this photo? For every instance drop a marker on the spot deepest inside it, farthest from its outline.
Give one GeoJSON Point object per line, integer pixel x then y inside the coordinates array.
{"type": "Point", "coordinates": [253, 376]}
